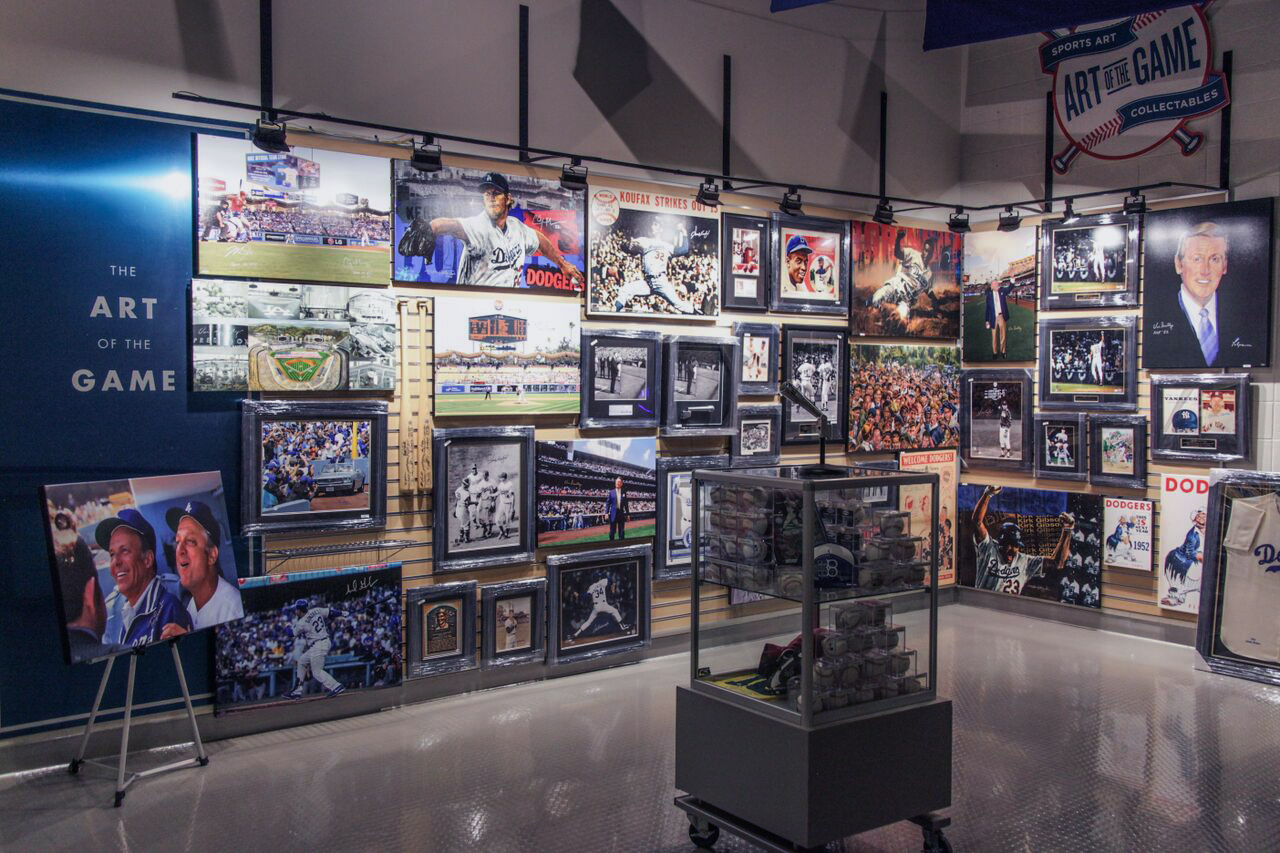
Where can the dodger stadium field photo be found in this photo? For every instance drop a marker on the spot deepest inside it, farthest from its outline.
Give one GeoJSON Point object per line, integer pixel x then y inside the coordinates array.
{"type": "Point", "coordinates": [574, 482]}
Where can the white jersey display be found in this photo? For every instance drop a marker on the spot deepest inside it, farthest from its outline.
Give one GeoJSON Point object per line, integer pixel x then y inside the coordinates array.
{"type": "Point", "coordinates": [493, 257]}
{"type": "Point", "coordinates": [1008, 577]}
{"type": "Point", "coordinates": [1250, 624]}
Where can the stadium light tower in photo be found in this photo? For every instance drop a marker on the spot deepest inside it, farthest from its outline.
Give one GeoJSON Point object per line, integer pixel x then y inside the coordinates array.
{"type": "Point", "coordinates": [959, 222]}
{"type": "Point", "coordinates": [269, 136]}
{"type": "Point", "coordinates": [884, 212]}
{"type": "Point", "coordinates": [791, 204]}
{"type": "Point", "coordinates": [427, 156]}
{"type": "Point", "coordinates": [1010, 220]}
{"type": "Point", "coordinates": [573, 176]}
{"type": "Point", "coordinates": [708, 194]}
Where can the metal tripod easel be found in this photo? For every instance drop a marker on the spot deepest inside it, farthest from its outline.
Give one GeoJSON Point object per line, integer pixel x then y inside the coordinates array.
{"type": "Point", "coordinates": [123, 778]}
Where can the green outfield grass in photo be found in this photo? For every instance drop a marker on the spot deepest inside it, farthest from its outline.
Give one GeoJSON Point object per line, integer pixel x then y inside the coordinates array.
{"type": "Point", "coordinates": [505, 404]}
{"type": "Point", "coordinates": [599, 533]}
{"type": "Point", "coordinates": [1084, 388]}
{"type": "Point", "coordinates": [353, 264]}
{"type": "Point", "coordinates": [1095, 286]}
{"type": "Point", "coordinates": [1020, 343]}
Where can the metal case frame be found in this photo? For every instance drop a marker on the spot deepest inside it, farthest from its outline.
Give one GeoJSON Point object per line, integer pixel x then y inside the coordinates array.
{"type": "Point", "coordinates": [839, 425]}
{"type": "Point", "coordinates": [730, 361]}
{"type": "Point", "coordinates": [1138, 423]}
{"type": "Point", "coordinates": [773, 411]}
{"type": "Point", "coordinates": [1093, 299]}
{"type": "Point", "coordinates": [839, 228]}
{"type": "Point", "coordinates": [666, 466]}
{"type": "Point", "coordinates": [642, 557]}
{"type": "Point", "coordinates": [593, 414]}
{"type": "Point", "coordinates": [729, 300]}
{"type": "Point", "coordinates": [1078, 402]}
{"type": "Point", "coordinates": [1021, 377]}
{"type": "Point", "coordinates": [1224, 448]}
{"type": "Point", "coordinates": [1080, 447]}
{"type": "Point", "coordinates": [490, 595]}
{"type": "Point", "coordinates": [417, 605]}
{"type": "Point", "coordinates": [758, 330]}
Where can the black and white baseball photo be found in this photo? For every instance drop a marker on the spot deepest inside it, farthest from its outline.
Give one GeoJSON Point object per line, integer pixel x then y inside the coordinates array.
{"type": "Point", "coordinates": [995, 420]}
{"type": "Point", "coordinates": [621, 373]}
{"type": "Point", "coordinates": [813, 362]}
{"type": "Point", "coordinates": [757, 436]}
{"type": "Point", "coordinates": [485, 485]}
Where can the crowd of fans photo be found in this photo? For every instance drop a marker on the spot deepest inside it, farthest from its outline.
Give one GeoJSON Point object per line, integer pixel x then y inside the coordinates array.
{"type": "Point", "coordinates": [899, 406]}
{"type": "Point", "coordinates": [291, 449]}
{"type": "Point", "coordinates": [236, 220]}
{"type": "Point", "coordinates": [1076, 358]}
{"type": "Point", "coordinates": [695, 275]}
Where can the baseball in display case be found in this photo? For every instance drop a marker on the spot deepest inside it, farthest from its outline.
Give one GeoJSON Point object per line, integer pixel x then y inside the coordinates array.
{"type": "Point", "coordinates": [1089, 364]}
{"type": "Point", "coordinates": [599, 604]}
{"type": "Point", "coordinates": [758, 440]}
{"type": "Point", "coordinates": [810, 265]}
{"type": "Point", "coordinates": [440, 629]}
{"type": "Point", "coordinates": [484, 497]}
{"type": "Point", "coordinates": [313, 466]}
{"type": "Point", "coordinates": [621, 378]}
{"type": "Point", "coordinates": [514, 622]}
{"type": "Point", "coordinates": [747, 270]}
{"type": "Point", "coordinates": [995, 419]}
{"type": "Point", "coordinates": [759, 346]}
{"type": "Point", "coordinates": [999, 316]}
{"type": "Point", "coordinates": [702, 385]}
{"type": "Point", "coordinates": [1089, 262]}
{"type": "Point", "coordinates": [1061, 447]}
{"type": "Point", "coordinates": [596, 490]}
{"type": "Point", "coordinates": [1200, 417]}
{"type": "Point", "coordinates": [674, 539]}
{"type": "Point", "coordinates": [906, 282]}
{"type": "Point", "coordinates": [813, 360]}
{"type": "Point", "coordinates": [1118, 451]}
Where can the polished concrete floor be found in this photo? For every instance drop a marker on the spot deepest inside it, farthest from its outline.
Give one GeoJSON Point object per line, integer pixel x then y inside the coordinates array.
{"type": "Point", "coordinates": [1065, 739]}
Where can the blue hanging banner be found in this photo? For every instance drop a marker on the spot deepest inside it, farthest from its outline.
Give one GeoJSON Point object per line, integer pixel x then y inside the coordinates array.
{"type": "Point", "coordinates": [950, 23]}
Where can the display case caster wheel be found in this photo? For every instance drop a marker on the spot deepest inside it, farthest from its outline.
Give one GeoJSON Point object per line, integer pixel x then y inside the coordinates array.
{"type": "Point", "coordinates": [702, 833]}
{"type": "Point", "coordinates": [74, 767]}
{"type": "Point", "coordinates": [119, 798]}
{"type": "Point", "coordinates": [203, 761]}
{"type": "Point", "coordinates": [936, 842]}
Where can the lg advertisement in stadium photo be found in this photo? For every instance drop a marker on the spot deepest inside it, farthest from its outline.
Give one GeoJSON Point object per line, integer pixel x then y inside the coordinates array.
{"type": "Point", "coordinates": [1089, 261]}
{"type": "Point", "coordinates": [480, 228]}
{"type": "Point", "coordinates": [596, 490]}
{"type": "Point", "coordinates": [291, 338]}
{"type": "Point", "coordinates": [140, 560]}
{"type": "Point", "coordinates": [310, 636]}
{"type": "Point", "coordinates": [999, 276]}
{"type": "Point", "coordinates": [308, 215]}
{"type": "Point", "coordinates": [506, 356]}
{"type": "Point", "coordinates": [906, 281]}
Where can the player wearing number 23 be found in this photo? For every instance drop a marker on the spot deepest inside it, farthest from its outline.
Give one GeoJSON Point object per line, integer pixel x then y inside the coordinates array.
{"type": "Point", "coordinates": [1002, 566]}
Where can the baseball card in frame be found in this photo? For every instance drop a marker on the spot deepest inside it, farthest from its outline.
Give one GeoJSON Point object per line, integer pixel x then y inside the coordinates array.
{"type": "Point", "coordinates": [746, 270]}
{"type": "Point", "coordinates": [474, 228]}
{"type": "Point", "coordinates": [995, 419]}
{"type": "Point", "coordinates": [1000, 296]}
{"type": "Point", "coordinates": [1129, 525]}
{"type": "Point", "coordinates": [599, 603]}
{"type": "Point", "coordinates": [906, 282]}
{"type": "Point", "coordinates": [621, 378]}
{"type": "Point", "coordinates": [1200, 417]}
{"type": "Point", "coordinates": [1089, 364]}
{"type": "Point", "coordinates": [1118, 451]}
{"type": "Point", "coordinates": [811, 265]}
{"type": "Point", "coordinates": [484, 497]}
{"type": "Point", "coordinates": [813, 360]}
{"type": "Point", "coordinates": [652, 254]}
{"type": "Point", "coordinates": [1207, 286]}
{"type": "Point", "coordinates": [440, 629]}
{"type": "Point", "coordinates": [514, 622]}
{"type": "Point", "coordinates": [596, 490]}
{"type": "Point", "coordinates": [1061, 447]}
{"type": "Point", "coordinates": [903, 397]}
{"type": "Point", "coordinates": [674, 540]}
{"type": "Point", "coordinates": [1089, 261]}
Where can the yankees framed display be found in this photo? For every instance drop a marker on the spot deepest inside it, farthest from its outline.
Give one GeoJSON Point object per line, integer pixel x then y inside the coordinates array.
{"type": "Point", "coordinates": [621, 378]}
{"type": "Point", "coordinates": [810, 265]}
{"type": "Point", "coordinates": [746, 271]}
{"type": "Point", "coordinates": [1061, 447]}
{"type": "Point", "coordinates": [906, 282]}
{"type": "Point", "coordinates": [758, 343]}
{"type": "Point", "coordinates": [646, 260]}
{"type": "Point", "coordinates": [1089, 364]}
{"type": "Point", "coordinates": [599, 603]}
{"type": "Point", "coordinates": [1089, 261]}
{"type": "Point", "coordinates": [440, 629]}
{"type": "Point", "coordinates": [1200, 417]}
{"type": "Point", "coordinates": [308, 637]}
{"type": "Point", "coordinates": [167, 563]}
{"type": "Point", "coordinates": [999, 317]}
{"type": "Point", "coordinates": [903, 397]}
{"type": "Point", "coordinates": [596, 490]}
{"type": "Point", "coordinates": [1184, 513]}
{"type": "Point", "coordinates": [995, 419]}
{"type": "Point", "coordinates": [1129, 524]}
{"type": "Point", "coordinates": [813, 360]}
{"type": "Point", "coordinates": [701, 389]}
{"type": "Point", "coordinates": [313, 466]}
{"type": "Point", "coordinates": [1031, 542]}
{"type": "Point", "coordinates": [758, 440]}
{"type": "Point", "coordinates": [514, 622]}
{"type": "Point", "coordinates": [474, 228]}
{"type": "Point", "coordinates": [1118, 451]}
{"type": "Point", "coordinates": [506, 356]}
{"type": "Point", "coordinates": [674, 538]}
{"type": "Point", "coordinates": [1207, 286]}
{"type": "Point", "coordinates": [484, 497]}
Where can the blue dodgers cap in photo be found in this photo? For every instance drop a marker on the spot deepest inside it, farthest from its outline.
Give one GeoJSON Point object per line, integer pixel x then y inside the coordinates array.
{"type": "Point", "coordinates": [131, 519]}
{"type": "Point", "coordinates": [497, 180]}
{"type": "Point", "coordinates": [201, 514]}
{"type": "Point", "coordinates": [798, 244]}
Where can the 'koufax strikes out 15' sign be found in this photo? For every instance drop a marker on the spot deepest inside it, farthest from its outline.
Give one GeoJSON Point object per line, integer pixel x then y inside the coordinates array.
{"type": "Point", "coordinates": [1120, 88]}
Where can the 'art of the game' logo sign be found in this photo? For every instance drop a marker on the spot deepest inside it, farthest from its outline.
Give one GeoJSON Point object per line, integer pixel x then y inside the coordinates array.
{"type": "Point", "coordinates": [1120, 88]}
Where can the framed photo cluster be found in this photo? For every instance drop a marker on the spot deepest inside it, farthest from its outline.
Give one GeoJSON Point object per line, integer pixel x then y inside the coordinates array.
{"type": "Point", "coordinates": [514, 622]}
{"type": "Point", "coordinates": [701, 386]}
{"type": "Point", "coordinates": [1089, 363]}
{"type": "Point", "coordinates": [813, 360]}
{"type": "Point", "coordinates": [1089, 262]}
{"type": "Point", "coordinates": [995, 419]}
{"type": "Point", "coordinates": [1061, 447]}
{"type": "Point", "coordinates": [484, 497]}
{"type": "Point", "coordinates": [599, 603]}
{"type": "Point", "coordinates": [621, 378]}
{"type": "Point", "coordinates": [811, 258]}
{"type": "Point", "coordinates": [747, 274]}
{"type": "Point", "coordinates": [440, 629]}
{"type": "Point", "coordinates": [1200, 417]}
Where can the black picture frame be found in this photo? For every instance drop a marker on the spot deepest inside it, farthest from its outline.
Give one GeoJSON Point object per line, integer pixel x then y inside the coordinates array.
{"type": "Point", "coordinates": [785, 298]}
{"type": "Point", "coordinates": [750, 421]}
{"type": "Point", "coordinates": [1110, 449]}
{"type": "Point", "coordinates": [685, 411]}
{"type": "Point", "coordinates": [342, 475]}
{"type": "Point", "coordinates": [1060, 394]}
{"type": "Point", "coordinates": [426, 604]}
{"type": "Point", "coordinates": [494, 594]}
{"type": "Point", "coordinates": [748, 383]}
{"type": "Point", "coordinates": [672, 548]}
{"type": "Point", "coordinates": [739, 278]}
{"type": "Point", "coordinates": [981, 395]}
{"type": "Point", "coordinates": [468, 443]}
{"type": "Point", "coordinates": [598, 409]}
{"type": "Point", "coordinates": [1084, 250]}
{"type": "Point", "coordinates": [1061, 447]}
{"type": "Point", "coordinates": [1202, 434]}
{"type": "Point", "coordinates": [569, 581]}
{"type": "Point", "coordinates": [798, 427]}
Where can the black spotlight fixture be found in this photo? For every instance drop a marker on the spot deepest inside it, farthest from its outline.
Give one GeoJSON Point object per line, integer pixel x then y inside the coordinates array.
{"type": "Point", "coordinates": [884, 212]}
{"type": "Point", "coordinates": [1135, 202]}
{"type": "Point", "coordinates": [1069, 212]}
{"type": "Point", "coordinates": [708, 194]}
{"type": "Point", "coordinates": [426, 157]}
{"type": "Point", "coordinates": [959, 222]}
{"type": "Point", "coordinates": [573, 176]}
{"type": "Point", "coordinates": [1010, 220]}
{"type": "Point", "coordinates": [269, 136]}
{"type": "Point", "coordinates": [790, 203]}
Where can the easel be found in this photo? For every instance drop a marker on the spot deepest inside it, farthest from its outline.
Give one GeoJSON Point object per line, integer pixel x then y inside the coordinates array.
{"type": "Point", "coordinates": [123, 779]}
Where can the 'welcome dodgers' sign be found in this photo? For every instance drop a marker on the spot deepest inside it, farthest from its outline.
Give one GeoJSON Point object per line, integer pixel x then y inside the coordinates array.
{"type": "Point", "coordinates": [1120, 88]}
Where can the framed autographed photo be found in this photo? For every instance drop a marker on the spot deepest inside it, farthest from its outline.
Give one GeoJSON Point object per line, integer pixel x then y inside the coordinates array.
{"type": "Point", "coordinates": [674, 537]}
{"type": "Point", "coordinates": [484, 497]}
{"type": "Point", "coordinates": [702, 381]}
{"type": "Point", "coordinates": [1118, 451]}
{"type": "Point", "coordinates": [999, 314]}
{"type": "Point", "coordinates": [811, 265]}
{"type": "Point", "coordinates": [313, 466]}
{"type": "Point", "coordinates": [596, 490]}
{"type": "Point", "coordinates": [621, 378]}
{"type": "Point", "coordinates": [758, 440]}
{"type": "Point", "coordinates": [995, 419]}
{"type": "Point", "coordinates": [514, 622]}
{"type": "Point", "coordinates": [1061, 447]}
{"type": "Point", "coordinates": [813, 359]}
{"type": "Point", "coordinates": [1089, 261]}
{"type": "Point", "coordinates": [440, 629]}
{"type": "Point", "coordinates": [759, 345]}
{"type": "Point", "coordinates": [599, 603]}
{"type": "Point", "coordinates": [1200, 417]}
{"type": "Point", "coordinates": [746, 269]}
{"type": "Point", "coordinates": [1089, 363]}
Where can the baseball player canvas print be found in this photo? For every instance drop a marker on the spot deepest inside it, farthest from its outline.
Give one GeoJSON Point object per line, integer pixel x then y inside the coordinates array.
{"type": "Point", "coordinates": [310, 636]}
{"type": "Point", "coordinates": [906, 281]}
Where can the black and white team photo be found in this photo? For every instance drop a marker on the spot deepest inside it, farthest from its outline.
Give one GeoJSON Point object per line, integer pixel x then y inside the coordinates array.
{"type": "Point", "coordinates": [484, 497]}
{"type": "Point", "coordinates": [815, 369]}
